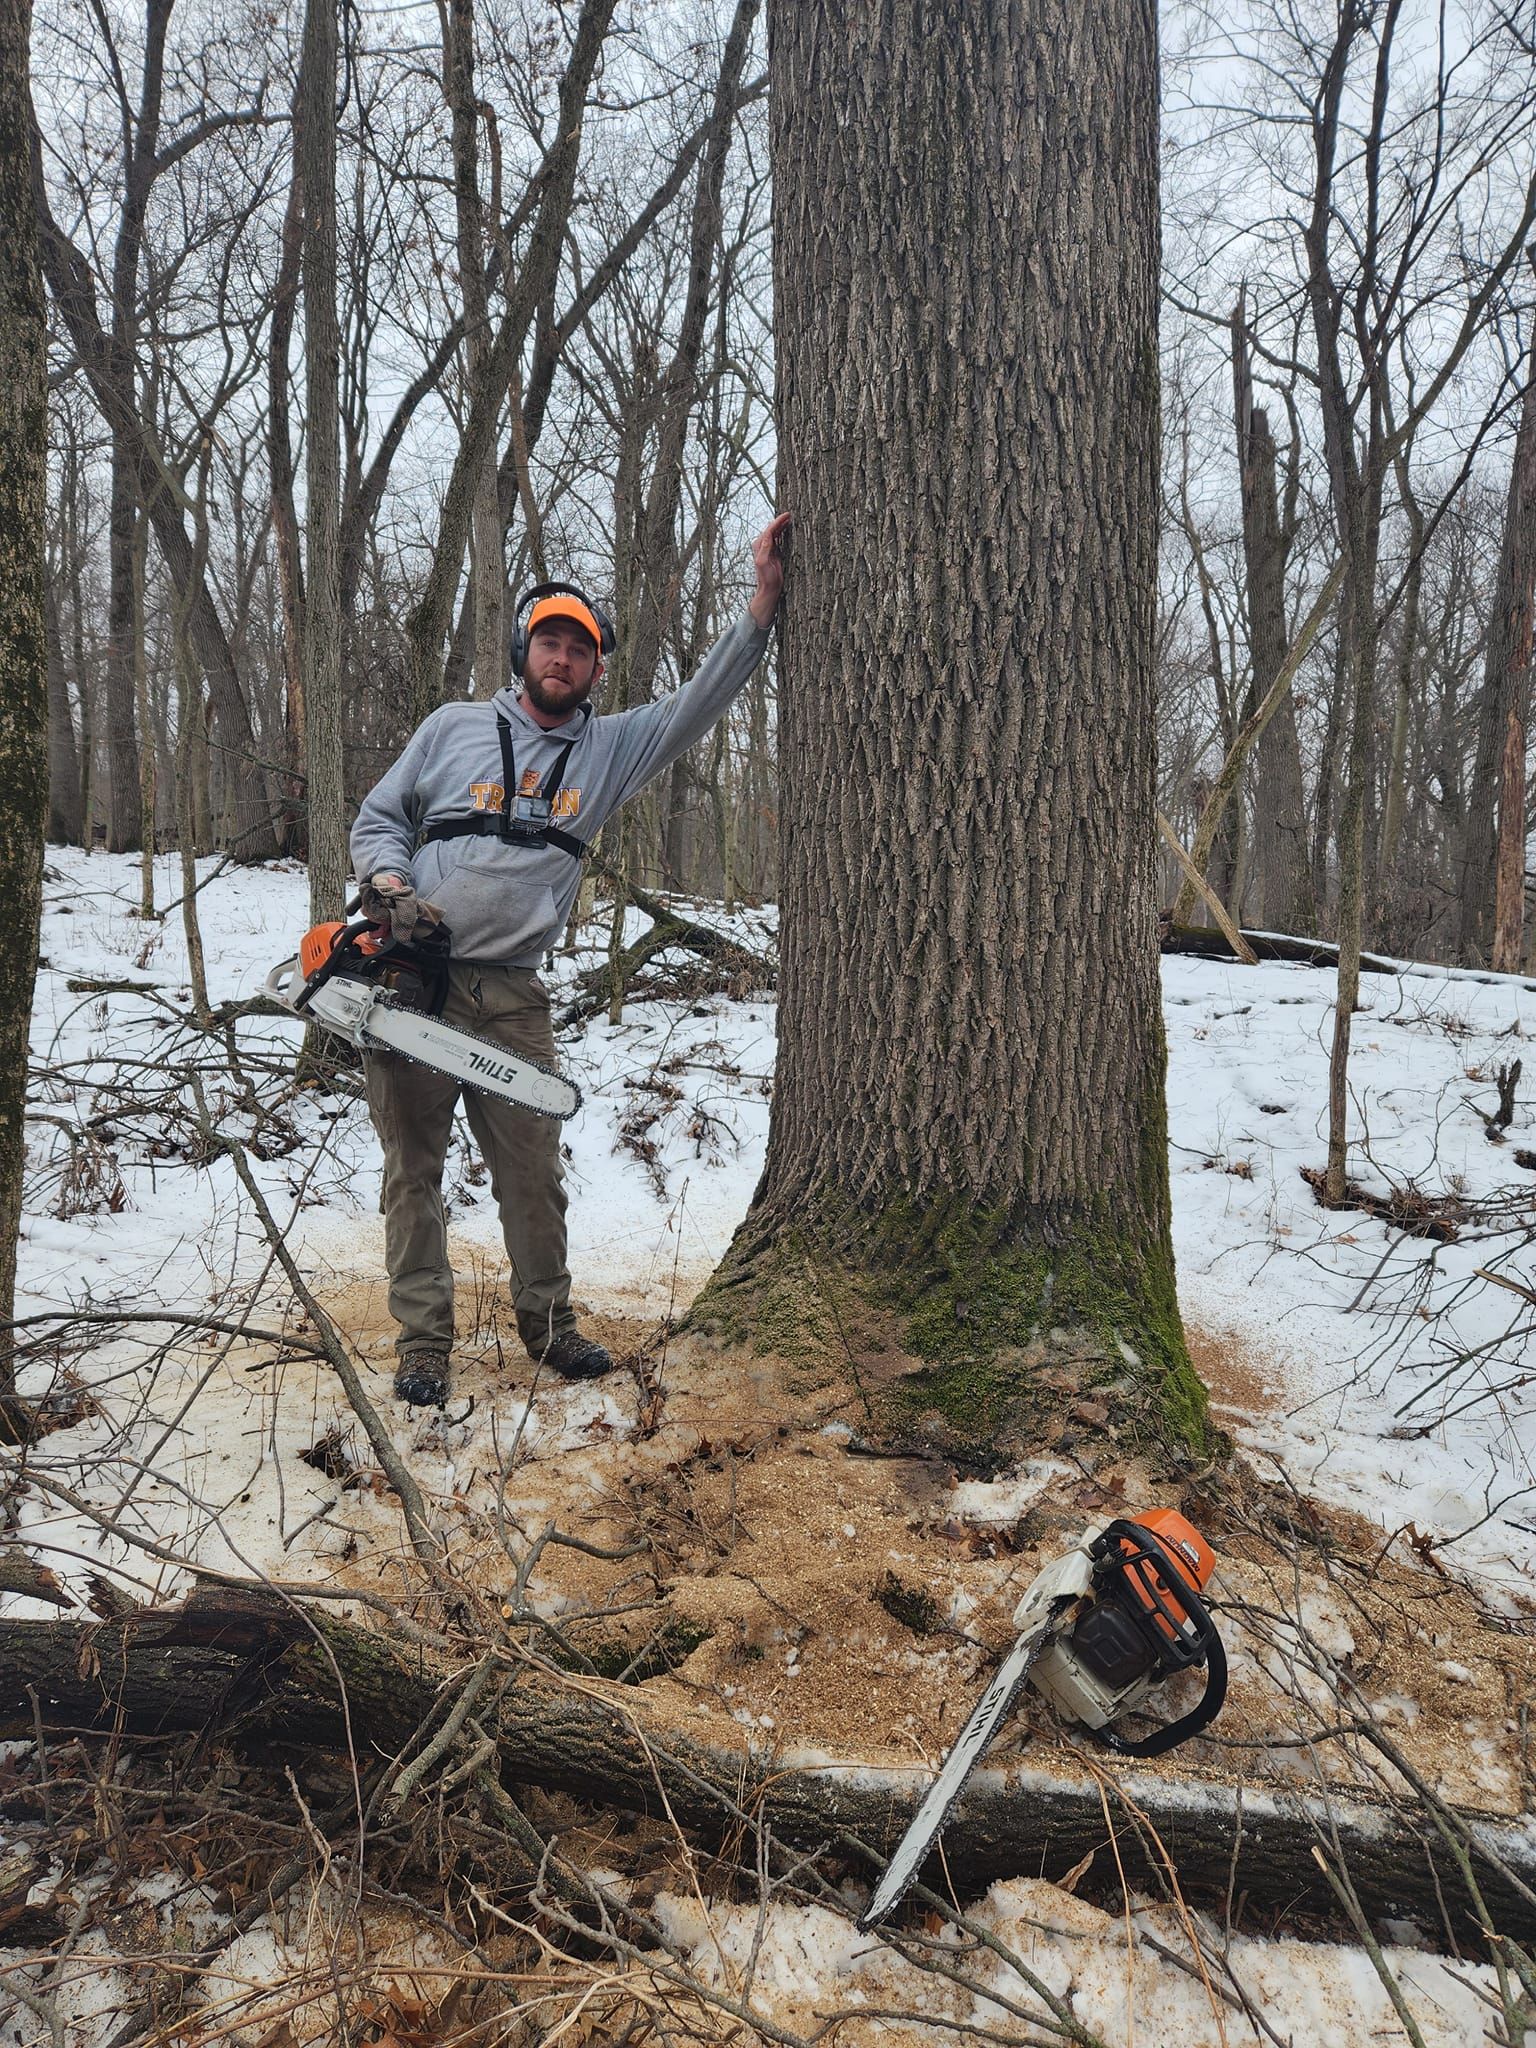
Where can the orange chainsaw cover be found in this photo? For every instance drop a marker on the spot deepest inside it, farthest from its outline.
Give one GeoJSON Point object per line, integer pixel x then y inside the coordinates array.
{"type": "Point", "coordinates": [320, 942]}
{"type": "Point", "coordinates": [1192, 1557]}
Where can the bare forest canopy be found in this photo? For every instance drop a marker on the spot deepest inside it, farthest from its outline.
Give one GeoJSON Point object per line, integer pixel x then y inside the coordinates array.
{"type": "Point", "coordinates": [540, 332]}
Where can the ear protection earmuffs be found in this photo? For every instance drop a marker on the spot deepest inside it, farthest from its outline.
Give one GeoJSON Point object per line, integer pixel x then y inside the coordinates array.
{"type": "Point", "coordinates": [531, 598]}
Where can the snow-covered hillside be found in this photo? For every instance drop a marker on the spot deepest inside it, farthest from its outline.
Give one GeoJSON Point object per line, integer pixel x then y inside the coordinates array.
{"type": "Point", "coordinates": [1386, 1371]}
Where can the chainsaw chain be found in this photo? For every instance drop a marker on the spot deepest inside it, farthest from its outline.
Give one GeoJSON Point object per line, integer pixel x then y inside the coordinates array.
{"type": "Point", "coordinates": [391, 1002]}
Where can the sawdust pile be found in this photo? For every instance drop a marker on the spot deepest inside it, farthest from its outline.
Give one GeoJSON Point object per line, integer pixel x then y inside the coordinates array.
{"type": "Point", "coordinates": [851, 1605]}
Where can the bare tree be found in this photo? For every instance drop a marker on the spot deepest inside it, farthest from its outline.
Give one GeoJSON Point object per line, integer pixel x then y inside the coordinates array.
{"type": "Point", "coordinates": [315, 123]}
{"type": "Point", "coordinates": [1493, 850]}
{"type": "Point", "coordinates": [1282, 871]}
{"type": "Point", "coordinates": [23, 654]}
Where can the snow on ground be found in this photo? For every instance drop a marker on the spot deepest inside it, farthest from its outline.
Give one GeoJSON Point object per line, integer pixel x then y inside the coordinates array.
{"type": "Point", "coordinates": [1378, 1367]}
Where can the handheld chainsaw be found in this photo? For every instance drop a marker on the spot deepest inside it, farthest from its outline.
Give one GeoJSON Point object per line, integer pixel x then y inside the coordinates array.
{"type": "Point", "coordinates": [383, 994]}
{"type": "Point", "coordinates": [1098, 1629]}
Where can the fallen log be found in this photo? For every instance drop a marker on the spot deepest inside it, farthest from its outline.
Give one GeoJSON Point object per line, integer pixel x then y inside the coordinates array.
{"type": "Point", "coordinates": [1213, 945]}
{"type": "Point", "coordinates": [1209, 944]}
{"type": "Point", "coordinates": [258, 1669]}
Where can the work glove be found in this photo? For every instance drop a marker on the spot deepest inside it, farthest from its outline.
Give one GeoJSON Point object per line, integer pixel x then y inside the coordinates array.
{"type": "Point", "coordinates": [390, 898]}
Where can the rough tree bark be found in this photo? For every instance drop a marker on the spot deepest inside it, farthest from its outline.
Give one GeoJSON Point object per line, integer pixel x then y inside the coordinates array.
{"type": "Point", "coordinates": [23, 655]}
{"type": "Point", "coordinates": [969, 1125]}
{"type": "Point", "coordinates": [325, 808]}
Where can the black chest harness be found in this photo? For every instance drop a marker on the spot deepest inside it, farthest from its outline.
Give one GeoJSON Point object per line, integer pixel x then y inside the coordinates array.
{"type": "Point", "coordinates": [522, 820]}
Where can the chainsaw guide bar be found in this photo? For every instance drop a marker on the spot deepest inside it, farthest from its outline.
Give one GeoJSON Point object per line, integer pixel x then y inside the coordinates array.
{"type": "Point", "coordinates": [372, 1020]}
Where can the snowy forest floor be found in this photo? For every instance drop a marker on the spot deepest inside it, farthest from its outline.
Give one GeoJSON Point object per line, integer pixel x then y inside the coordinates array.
{"type": "Point", "coordinates": [1376, 1528]}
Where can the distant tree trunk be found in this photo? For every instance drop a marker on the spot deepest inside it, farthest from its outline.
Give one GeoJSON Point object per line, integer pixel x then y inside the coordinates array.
{"type": "Point", "coordinates": [23, 653]}
{"type": "Point", "coordinates": [1402, 709]}
{"type": "Point", "coordinates": [145, 838]}
{"type": "Point", "coordinates": [1493, 849]}
{"type": "Point", "coordinates": [64, 805]}
{"type": "Point", "coordinates": [1509, 894]}
{"type": "Point", "coordinates": [122, 736]}
{"type": "Point", "coordinates": [1355, 487]}
{"type": "Point", "coordinates": [655, 583]}
{"type": "Point", "coordinates": [968, 1150]}
{"type": "Point", "coordinates": [125, 540]}
{"type": "Point", "coordinates": [324, 788]}
{"type": "Point", "coordinates": [285, 519]}
{"type": "Point", "coordinates": [110, 369]}
{"type": "Point", "coordinates": [1285, 901]}
{"type": "Point", "coordinates": [488, 569]}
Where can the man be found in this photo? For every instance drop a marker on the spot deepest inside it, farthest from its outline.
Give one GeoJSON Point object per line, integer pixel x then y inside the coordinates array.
{"type": "Point", "coordinates": [486, 814]}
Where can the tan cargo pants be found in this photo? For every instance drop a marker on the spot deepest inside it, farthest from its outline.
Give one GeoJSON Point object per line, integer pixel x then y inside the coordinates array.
{"type": "Point", "coordinates": [412, 1109]}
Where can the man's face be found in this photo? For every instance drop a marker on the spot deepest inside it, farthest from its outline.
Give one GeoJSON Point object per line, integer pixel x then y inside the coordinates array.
{"type": "Point", "coordinates": [561, 667]}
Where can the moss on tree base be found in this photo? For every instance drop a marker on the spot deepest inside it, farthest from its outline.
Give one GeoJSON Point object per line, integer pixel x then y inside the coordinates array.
{"type": "Point", "coordinates": [959, 1332]}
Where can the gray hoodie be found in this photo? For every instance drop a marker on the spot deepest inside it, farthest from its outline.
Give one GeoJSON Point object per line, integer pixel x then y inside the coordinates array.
{"type": "Point", "coordinates": [509, 904]}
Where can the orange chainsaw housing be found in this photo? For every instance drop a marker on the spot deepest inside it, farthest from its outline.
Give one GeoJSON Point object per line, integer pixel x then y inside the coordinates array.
{"type": "Point", "coordinates": [320, 941]}
{"type": "Point", "coordinates": [1188, 1552]}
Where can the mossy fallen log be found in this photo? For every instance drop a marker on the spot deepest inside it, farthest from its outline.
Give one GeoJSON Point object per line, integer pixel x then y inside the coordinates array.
{"type": "Point", "coordinates": [258, 1669]}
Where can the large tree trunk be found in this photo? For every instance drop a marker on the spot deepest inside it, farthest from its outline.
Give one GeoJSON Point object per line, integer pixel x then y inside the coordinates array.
{"type": "Point", "coordinates": [1282, 869]}
{"type": "Point", "coordinates": [969, 1118]}
{"type": "Point", "coordinates": [325, 808]}
{"type": "Point", "coordinates": [273, 1672]}
{"type": "Point", "coordinates": [23, 656]}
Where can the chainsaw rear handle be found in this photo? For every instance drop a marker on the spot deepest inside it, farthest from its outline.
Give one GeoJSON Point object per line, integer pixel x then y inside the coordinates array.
{"type": "Point", "coordinates": [1185, 1639]}
{"type": "Point", "coordinates": [1177, 1626]}
{"type": "Point", "coordinates": [1199, 1716]}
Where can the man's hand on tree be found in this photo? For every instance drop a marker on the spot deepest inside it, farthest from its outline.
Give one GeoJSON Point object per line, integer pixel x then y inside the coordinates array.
{"type": "Point", "coordinates": [390, 898]}
{"type": "Point", "coordinates": [769, 564]}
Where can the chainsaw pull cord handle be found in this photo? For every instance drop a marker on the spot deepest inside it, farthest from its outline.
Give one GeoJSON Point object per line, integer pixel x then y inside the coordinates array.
{"type": "Point", "coordinates": [1199, 1716]}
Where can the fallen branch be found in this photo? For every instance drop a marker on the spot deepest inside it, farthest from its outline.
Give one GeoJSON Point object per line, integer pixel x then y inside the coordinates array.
{"type": "Point", "coordinates": [1208, 896]}
{"type": "Point", "coordinates": [729, 967]}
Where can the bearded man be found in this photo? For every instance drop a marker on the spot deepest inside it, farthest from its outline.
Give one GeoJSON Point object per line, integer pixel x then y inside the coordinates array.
{"type": "Point", "coordinates": [484, 819]}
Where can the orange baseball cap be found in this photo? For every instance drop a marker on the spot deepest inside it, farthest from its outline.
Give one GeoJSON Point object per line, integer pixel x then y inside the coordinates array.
{"type": "Point", "coordinates": [565, 607]}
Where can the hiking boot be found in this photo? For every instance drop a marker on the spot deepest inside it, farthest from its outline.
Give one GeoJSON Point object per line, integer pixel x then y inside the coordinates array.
{"type": "Point", "coordinates": [575, 1357]}
{"type": "Point", "coordinates": [421, 1379]}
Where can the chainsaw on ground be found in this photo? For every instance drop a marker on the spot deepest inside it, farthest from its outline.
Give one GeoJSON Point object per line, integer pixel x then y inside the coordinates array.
{"type": "Point", "coordinates": [1098, 1629]}
{"type": "Point", "coordinates": [383, 994]}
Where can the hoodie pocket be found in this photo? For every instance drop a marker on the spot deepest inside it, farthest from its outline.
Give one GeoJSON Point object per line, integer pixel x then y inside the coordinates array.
{"type": "Point", "coordinates": [495, 909]}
